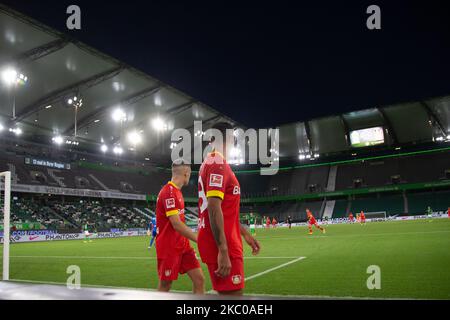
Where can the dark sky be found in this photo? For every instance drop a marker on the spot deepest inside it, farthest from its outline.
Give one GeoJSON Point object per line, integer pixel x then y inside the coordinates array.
{"type": "Point", "coordinates": [268, 63]}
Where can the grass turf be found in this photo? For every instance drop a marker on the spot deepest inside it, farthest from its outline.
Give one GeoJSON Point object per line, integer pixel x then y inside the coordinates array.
{"type": "Point", "coordinates": [414, 258]}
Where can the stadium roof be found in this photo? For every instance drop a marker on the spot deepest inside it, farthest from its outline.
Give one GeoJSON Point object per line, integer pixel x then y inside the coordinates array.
{"type": "Point", "coordinates": [59, 68]}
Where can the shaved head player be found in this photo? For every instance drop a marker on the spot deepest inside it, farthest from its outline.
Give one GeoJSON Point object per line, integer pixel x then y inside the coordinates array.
{"type": "Point", "coordinates": [220, 231]}
{"type": "Point", "coordinates": [174, 252]}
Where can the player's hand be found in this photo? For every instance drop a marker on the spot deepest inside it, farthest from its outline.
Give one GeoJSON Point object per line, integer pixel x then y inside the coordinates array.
{"type": "Point", "coordinates": [224, 264]}
{"type": "Point", "coordinates": [253, 243]}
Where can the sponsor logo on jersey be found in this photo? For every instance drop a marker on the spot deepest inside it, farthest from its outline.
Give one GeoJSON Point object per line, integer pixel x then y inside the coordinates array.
{"type": "Point", "coordinates": [168, 272]}
{"type": "Point", "coordinates": [216, 180]}
{"type": "Point", "coordinates": [236, 190]}
{"type": "Point", "coordinates": [170, 203]}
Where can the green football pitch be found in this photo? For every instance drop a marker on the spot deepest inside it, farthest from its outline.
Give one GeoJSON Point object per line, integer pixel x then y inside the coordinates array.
{"type": "Point", "coordinates": [413, 257]}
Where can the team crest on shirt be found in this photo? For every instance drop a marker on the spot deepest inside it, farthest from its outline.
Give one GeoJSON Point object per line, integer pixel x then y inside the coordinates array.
{"type": "Point", "coordinates": [216, 180]}
{"type": "Point", "coordinates": [170, 203]}
{"type": "Point", "coordinates": [236, 279]}
{"type": "Point", "coordinates": [167, 272]}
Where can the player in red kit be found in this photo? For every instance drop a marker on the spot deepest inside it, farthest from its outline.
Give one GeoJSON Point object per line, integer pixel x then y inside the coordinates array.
{"type": "Point", "coordinates": [351, 219]}
{"type": "Point", "coordinates": [267, 223]}
{"type": "Point", "coordinates": [220, 231]}
{"type": "Point", "coordinates": [274, 222]}
{"type": "Point", "coordinates": [448, 213]}
{"type": "Point", "coordinates": [174, 252]}
{"type": "Point", "coordinates": [312, 222]}
{"type": "Point", "coordinates": [362, 218]}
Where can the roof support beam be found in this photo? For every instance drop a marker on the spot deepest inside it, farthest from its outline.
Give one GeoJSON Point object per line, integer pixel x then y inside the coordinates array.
{"type": "Point", "coordinates": [41, 51]}
{"type": "Point", "coordinates": [63, 92]}
{"type": "Point", "coordinates": [346, 129]}
{"type": "Point", "coordinates": [100, 112]}
{"type": "Point", "coordinates": [434, 117]}
{"type": "Point", "coordinates": [308, 136]}
{"type": "Point", "coordinates": [388, 124]}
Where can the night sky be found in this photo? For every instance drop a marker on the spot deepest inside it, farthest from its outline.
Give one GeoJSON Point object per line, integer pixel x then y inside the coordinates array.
{"type": "Point", "coordinates": [269, 63]}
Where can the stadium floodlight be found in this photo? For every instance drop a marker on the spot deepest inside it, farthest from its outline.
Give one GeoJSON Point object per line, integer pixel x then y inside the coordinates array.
{"type": "Point", "coordinates": [11, 76]}
{"type": "Point", "coordinates": [158, 124]}
{"type": "Point", "coordinates": [302, 157]}
{"type": "Point", "coordinates": [134, 137]}
{"type": "Point", "coordinates": [104, 148]}
{"type": "Point", "coordinates": [48, 107]}
{"type": "Point", "coordinates": [58, 140]}
{"type": "Point", "coordinates": [1, 127]}
{"type": "Point", "coordinates": [448, 137]}
{"type": "Point", "coordinates": [440, 139]}
{"type": "Point", "coordinates": [117, 150]}
{"type": "Point", "coordinates": [16, 131]}
{"type": "Point", "coordinates": [119, 115]}
{"type": "Point", "coordinates": [317, 155]}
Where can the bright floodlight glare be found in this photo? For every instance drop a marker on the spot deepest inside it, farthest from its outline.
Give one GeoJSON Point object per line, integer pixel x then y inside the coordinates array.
{"type": "Point", "coordinates": [134, 137]}
{"type": "Point", "coordinates": [58, 140]}
{"type": "Point", "coordinates": [117, 150]}
{"type": "Point", "coordinates": [104, 148]}
{"type": "Point", "coordinates": [440, 139]}
{"type": "Point", "coordinates": [448, 137]}
{"type": "Point", "coordinates": [158, 124]}
{"type": "Point", "coordinates": [70, 101]}
{"type": "Point", "coordinates": [119, 115]}
{"type": "Point", "coordinates": [9, 76]}
{"type": "Point", "coordinates": [18, 131]}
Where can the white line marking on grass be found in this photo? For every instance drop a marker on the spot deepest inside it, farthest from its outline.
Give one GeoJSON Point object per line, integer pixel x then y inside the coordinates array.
{"type": "Point", "coordinates": [274, 268]}
{"type": "Point", "coordinates": [357, 235]}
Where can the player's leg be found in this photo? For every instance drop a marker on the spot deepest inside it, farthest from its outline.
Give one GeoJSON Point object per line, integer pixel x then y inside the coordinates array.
{"type": "Point", "coordinates": [164, 285]}
{"type": "Point", "coordinates": [198, 280]}
{"type": "Point", "coordinates": [310, 229]}
{"type": "Point", "coordinates": [320, 228]}
{"type": "Point", "coordinates": [191, 266]}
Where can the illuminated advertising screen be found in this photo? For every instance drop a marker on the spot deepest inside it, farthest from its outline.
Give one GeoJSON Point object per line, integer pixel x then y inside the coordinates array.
{"type": "Point", "coordinates": [367, 137]}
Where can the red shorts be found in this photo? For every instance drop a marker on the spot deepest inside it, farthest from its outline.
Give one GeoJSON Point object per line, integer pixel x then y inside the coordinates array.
{"type": "Point", "coordinates": [234, 281]}
{"type": "Point", "coordinates": [171, 266]}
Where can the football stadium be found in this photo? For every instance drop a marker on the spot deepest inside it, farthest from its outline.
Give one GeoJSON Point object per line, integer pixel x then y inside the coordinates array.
{"type": "Point", "coordinates": [353, 205]}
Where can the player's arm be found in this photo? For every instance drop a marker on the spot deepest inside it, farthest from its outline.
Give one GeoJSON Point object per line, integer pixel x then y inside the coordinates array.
{"type": "Point", "coordinates": [182, 228]}
{"type": "Point", "coordinates": [217, 228]}
{"type": "Point", "coordinates": [252, 242]}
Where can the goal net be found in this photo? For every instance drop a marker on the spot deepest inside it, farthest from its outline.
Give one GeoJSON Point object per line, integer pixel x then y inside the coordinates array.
{"type": "Point", "coordinates": [5, 208]}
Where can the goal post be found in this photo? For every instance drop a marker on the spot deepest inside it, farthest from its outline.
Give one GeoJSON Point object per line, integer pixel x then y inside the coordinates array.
{"type": "Point", "coordinates": [6, 221]}
{"type": "Point", "coordinates": [376, 215]}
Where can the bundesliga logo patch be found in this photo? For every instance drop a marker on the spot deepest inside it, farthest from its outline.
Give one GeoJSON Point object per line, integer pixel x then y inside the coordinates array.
{"type": "Point", "coordinates": [216, 180]}
{"type": "Point", "coordinates": [236, 279]}
{"type": "Point", "coordinates": [168, 272]}
{"type": "Point", "coordinates": [170, 203]}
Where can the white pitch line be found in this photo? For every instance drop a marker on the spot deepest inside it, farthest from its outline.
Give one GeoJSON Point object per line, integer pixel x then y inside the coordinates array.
{"type": "Point", "coordinates": [123, 258]}
{"type": "Point", "coordinates": [274, 268]}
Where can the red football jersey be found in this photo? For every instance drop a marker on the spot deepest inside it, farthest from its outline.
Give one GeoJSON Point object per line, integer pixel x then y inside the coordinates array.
{"type": "Point", "coordinates": [170, 202]}
{"type": "Point", "coordinates": [216, 179]}
{"type": "Point", "coordinates": [311, 219]}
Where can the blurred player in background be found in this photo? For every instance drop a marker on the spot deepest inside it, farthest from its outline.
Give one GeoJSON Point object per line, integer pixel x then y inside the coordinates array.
{"type": "Point", "coordinates": [448, 213]}
{"type": "Point", "coordinates": [173, 250]}
{"type": "Point", "coordinates": [289, 221]}
{"type": "Point", "coordinates": [220, 231]}
{"type": "Point", "coordinates": [152, 231]}
{"type": "Point", "coordinates": [362, 218]}
{"type": "Point", "coordinates": [87, 234]}
{"type": "Point", "coordinates": [252, 224]}
{"type": "Point", "coordinates": [267, 223]}
{"type": "Point", "coordinates": [274, 222]}
{"type": "Point", "coordinates": [312, 222]}
{"type": "Point", "coordinates": [351, 219]}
